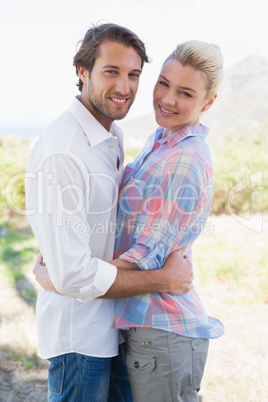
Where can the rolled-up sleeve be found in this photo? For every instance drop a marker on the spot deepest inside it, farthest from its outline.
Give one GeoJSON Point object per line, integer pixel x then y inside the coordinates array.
{"type": "Point", "coordinates": [172, 213]}
{"type": "Point", "coordinates": [56, 203]}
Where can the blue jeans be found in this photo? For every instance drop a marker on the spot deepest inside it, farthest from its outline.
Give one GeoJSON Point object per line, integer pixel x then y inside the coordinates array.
{"type": "Point", "coordinates": [78, 378]}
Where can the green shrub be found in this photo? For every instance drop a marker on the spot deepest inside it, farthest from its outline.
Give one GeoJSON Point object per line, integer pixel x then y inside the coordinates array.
{"type": "Point", "coordinates": [240, 161]}
{"type": "Point", "coordinates": [14, 153]}
{"type": "Point", "coordinates": [241, 179]}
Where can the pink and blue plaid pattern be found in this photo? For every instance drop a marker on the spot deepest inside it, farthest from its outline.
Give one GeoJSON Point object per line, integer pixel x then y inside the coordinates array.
{"type": "Point", "coordinates": [165, 199]}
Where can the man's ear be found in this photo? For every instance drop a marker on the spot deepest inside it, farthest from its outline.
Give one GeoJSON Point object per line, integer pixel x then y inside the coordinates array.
{"type": "Point", "coordinates": [209, 104]}
{"type": "Point", "coordinates": [82, 73]}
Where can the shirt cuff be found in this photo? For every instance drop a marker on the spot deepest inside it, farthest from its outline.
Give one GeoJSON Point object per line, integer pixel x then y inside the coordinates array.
{"type": "Point", "coordinates": [103, 280]}
{"type": "Point", "coordinates": [144, 257]}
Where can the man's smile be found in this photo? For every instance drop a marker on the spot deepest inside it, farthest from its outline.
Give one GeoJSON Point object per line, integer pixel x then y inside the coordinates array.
{"type": "Point", "coordinates": [119, 101]}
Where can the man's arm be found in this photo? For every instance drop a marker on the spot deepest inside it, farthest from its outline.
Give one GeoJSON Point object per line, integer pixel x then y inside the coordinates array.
{"type": "Point", "coordinates": [175, 278]}
{"type": "Point", "coordinates": [57, 190]}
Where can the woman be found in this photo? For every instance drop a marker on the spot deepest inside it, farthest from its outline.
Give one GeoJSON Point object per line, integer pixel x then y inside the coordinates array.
{"type": "Point", "coordinates": [165, 198]}
{"type": "Point", "coordinates": [164, 203]}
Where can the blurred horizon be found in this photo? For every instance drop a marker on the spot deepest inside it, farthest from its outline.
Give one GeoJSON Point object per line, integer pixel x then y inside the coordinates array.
{"type": "Point", "coordinates": [242, 100]}
{"type": "Point", "coordinates": [39, 39]}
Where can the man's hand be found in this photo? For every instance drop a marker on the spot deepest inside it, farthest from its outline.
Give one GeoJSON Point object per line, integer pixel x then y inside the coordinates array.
{"type": "Point", "coordinates": [179, 273]}
{"type": "Point", "coordinates": [41, 274]}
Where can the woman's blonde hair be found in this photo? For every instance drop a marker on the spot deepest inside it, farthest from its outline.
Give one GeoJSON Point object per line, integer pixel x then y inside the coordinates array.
{"type": "Point", "coordinates": [202, 56]}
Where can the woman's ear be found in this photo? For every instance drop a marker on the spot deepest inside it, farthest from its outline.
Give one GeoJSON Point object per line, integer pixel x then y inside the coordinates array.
{"type": "Point", "coordinates": [209, 104]}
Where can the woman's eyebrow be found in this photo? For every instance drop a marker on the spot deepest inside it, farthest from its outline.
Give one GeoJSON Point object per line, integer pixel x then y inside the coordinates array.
{"type": "Point", "coordinates": [184, 88]}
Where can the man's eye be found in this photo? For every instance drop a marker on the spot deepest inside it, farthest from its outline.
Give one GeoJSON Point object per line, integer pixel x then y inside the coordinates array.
{"type": "Point", "coordinates": [111, 71]}
{"type": "Point", "coordinates": [134, 75]}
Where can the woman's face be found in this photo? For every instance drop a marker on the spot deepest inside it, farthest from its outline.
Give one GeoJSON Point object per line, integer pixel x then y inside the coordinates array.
{"type": "Point", "coordinates": [179, 97]}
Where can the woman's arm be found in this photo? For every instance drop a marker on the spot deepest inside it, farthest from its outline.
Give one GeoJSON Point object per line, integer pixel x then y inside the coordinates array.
{"type": "Point", "coordinates": [170, 213]}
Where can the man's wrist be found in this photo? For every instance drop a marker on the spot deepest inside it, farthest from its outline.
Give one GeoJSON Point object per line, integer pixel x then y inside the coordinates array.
{"type": "Point", "coordinates": [162, 282]}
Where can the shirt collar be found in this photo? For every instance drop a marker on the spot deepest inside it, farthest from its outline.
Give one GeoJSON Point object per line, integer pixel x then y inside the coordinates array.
{"type": "Point", "coordinates": [188, 131]}
{"type": "Point", "coordinates": [94, 131]}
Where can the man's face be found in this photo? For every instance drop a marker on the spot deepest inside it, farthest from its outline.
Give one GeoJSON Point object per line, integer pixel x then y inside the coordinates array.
{"type": "Point", "coordinates": [111, 88]}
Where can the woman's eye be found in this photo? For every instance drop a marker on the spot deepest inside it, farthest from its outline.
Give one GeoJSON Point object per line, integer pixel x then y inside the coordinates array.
{"type": "Point", "coordinates": [163, 83]}
{"type": "Point", "coordinates": [186, 94]}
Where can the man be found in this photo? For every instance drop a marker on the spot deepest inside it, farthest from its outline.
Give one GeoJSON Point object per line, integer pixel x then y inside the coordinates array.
{"type": "Point", "coordinates": [71, 190]}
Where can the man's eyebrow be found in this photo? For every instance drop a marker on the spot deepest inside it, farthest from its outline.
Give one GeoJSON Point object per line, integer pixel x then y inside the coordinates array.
{"type": "Point", "coordinates": [110, 66]}
{"type": "Point", "coordinates": [184, 88]}
{"type": "Point", "coordinates": [118, 68]}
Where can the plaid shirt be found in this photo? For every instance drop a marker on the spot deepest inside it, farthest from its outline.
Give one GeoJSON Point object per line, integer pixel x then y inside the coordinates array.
{"type": "Point", "coordinates": [165, 198]}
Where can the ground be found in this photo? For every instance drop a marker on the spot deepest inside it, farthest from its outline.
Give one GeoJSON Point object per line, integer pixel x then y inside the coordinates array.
{"type": "Point", "coordinates": [237, 366]}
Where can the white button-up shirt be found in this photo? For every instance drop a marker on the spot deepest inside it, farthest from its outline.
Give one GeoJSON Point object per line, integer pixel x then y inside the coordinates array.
{"type": "Point", "coordinates": [71, 200]}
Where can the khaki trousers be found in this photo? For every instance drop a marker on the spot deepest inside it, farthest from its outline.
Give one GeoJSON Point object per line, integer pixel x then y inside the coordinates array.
{"type": "Point", "coordinates": [164, 367]}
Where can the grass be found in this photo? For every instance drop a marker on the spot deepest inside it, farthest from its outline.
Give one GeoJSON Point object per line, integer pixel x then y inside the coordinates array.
{"type": "Point", "coordinates": [13, 159]}
{"type": "Point", "coordinates": [236, 255]}
{"type": "Point", "coordinates": [17, 251]}
{"type": "Point", "coordinates": [225, 264]}
{"type": "Point", "coordinates": [29, 361]}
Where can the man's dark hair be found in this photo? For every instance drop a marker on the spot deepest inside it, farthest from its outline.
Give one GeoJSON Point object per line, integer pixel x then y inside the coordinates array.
{"type": "Point", "coordinates": [95, 36]}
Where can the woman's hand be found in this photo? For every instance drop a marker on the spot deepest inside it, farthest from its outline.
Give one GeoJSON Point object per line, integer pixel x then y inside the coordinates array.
{"type": "Point", "coordinates": [42, 276]}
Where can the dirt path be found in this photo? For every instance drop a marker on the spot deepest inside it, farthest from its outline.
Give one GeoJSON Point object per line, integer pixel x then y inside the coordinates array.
{"type": "Point", "coordinates": [237, 366]}
{"type": "Point", "coordinates": [18, 342]}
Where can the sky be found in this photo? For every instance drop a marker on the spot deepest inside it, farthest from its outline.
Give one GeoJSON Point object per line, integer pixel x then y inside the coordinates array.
{"type": "Point", "coordinates": [38, 39]}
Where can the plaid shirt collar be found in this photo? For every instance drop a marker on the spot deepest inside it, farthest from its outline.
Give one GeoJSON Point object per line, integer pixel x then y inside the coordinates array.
{"type": "Point", "coordinates": [173, 139]}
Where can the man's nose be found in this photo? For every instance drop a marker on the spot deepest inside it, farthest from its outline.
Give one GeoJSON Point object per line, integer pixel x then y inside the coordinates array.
{"type": "Point", "coordinates": [122, 85]}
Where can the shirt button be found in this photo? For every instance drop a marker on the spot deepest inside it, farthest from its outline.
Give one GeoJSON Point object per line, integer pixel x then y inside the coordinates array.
{"type": "Point", "coordinates": [136, 364]}
{"type": "Point", "coordinates": [161, 245]}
